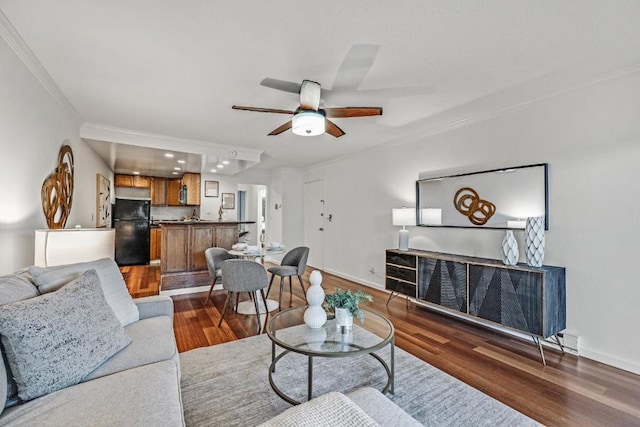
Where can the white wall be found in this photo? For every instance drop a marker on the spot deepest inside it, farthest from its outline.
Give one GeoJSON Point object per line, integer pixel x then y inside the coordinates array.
{"type": "Point", "coordinates": [228, 184]}
{"type": "Point", "coordinates": [286, 224]}
{"type": "Point", "coordinates": [33, 127]}
{"type": "Point", "coordinates": [591, 139]}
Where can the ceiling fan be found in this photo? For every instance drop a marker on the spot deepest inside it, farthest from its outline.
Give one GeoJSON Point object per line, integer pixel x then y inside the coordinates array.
{"type": "Point", "coordinates": [310, 120]}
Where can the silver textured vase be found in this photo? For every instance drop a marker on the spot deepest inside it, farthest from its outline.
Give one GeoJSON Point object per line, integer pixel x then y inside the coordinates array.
{"type": "Point", "coordinates": [534, 241]}
{"type": "Point", "coordinates": [510, 252]}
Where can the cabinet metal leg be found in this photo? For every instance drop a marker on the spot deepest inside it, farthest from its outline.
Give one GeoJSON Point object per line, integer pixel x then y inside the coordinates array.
{"type": "Point", "coordinates": [394, 294]}
{"type": "Point", "coordinates": [539, 344]}
{"type": "Point", "coordinates": [559, 343]}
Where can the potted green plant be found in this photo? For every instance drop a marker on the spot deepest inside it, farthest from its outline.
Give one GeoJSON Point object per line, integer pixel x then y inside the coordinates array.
{"type": "Point", "coordinates": [347, 303]}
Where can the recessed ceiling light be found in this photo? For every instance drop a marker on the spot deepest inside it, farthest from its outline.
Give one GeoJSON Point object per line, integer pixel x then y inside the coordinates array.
{"type": "Point", "coordinates": [225, 162]}
{"type": "Point", "coordinates": [175, 173]}
{"type": "Point", "coordinates": [213, 170]}
{"type": "Point", "coordinates": [182, 162]}
{"type": "Point", "coordinates": [136, 173]}
{"type": "Point", "coordinates": [176, 168]}
{"type": "Point", "coordinates": [220, 166]}
{"type": "Point", "coordinates": [169, 155]}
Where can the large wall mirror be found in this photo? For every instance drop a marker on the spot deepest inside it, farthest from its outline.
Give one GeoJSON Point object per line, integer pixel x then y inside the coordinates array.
{"type": "Point", "coordinates": [497, 198]}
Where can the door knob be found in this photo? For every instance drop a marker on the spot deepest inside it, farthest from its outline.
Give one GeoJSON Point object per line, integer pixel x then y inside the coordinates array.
{"type": "Point", "coordinates": [321, 229]}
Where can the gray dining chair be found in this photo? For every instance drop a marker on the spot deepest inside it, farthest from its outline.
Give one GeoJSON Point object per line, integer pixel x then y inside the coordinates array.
{"type": "Point", "coordinates": [294, 263]}
{"type": "Point", "coordinates": [215, 257]}
{"type": "Point", "coordinates": [245, 276]}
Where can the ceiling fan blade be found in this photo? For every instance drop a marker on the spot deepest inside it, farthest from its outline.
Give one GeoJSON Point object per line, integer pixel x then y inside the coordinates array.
{"type": "Point", "coordinates": [281, 129]}
{"type": "Point", "coordinates": [262, 110]}
{"type": "Point", "coordinates": [332, 129]}
{"type": "Point", "coordinates": [347, 112]}
{"type": "Point", "coordinates": [281, 85]}
{"type": "Point", "coordinates": [309, 95]}
{"type": "Point", "coordinates": [355, 66]}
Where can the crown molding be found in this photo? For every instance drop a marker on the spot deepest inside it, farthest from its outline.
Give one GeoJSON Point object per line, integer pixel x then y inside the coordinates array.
{"type": "Point", "coordinates": [100, 132]}
{"type": "Point", "coordinates": [18, 45]}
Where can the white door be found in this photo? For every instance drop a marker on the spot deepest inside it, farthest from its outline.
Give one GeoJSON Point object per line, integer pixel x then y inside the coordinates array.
{"type": "Point", "coordinates": [314, 222]}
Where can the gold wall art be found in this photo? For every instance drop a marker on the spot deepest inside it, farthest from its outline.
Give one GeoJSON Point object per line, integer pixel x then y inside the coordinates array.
{"type": "Point", "coordinates": [57, 190]}
{"type": "Point", "coordinates": [468, 203]}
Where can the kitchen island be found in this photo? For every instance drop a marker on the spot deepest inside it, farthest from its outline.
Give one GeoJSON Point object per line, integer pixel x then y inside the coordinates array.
{"type": "Point", "coordinates": [182, 261]}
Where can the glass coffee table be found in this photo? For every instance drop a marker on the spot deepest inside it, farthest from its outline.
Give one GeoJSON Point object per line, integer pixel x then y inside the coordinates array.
{"type": "Point", "coordinates": [288, 331]}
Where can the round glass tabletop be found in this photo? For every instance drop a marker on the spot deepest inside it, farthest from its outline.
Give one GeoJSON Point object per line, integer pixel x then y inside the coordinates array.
{"type": "Point", "coordinates": [288, 330]}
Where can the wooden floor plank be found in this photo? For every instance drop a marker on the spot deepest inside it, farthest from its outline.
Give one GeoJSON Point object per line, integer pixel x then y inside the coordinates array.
{"type": "Point", "coordinates": [569, 391]}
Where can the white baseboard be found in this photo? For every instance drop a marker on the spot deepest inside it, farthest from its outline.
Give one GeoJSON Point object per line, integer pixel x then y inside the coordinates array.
{"type": "Point", "coordinates": [355, 279]}
{"type": "Point", "coordinates": [606, 359]}
{"type": "Point", "coordinates": [194, 290]}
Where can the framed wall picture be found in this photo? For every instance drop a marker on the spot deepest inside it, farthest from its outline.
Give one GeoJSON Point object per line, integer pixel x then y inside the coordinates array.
{"type": "Point", "coordinates": [211, 189]}
{"type": "Point", "coordinates": [228, 201]}
{"type": "Point", "coordinates": [103, 201]}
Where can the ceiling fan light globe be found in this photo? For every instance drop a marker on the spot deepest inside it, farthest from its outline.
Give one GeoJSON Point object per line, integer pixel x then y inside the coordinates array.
{"type": "Point", "coordinates": [308, 123]}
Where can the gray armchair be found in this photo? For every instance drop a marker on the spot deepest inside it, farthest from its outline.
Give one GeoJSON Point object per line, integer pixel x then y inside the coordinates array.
{"type": "Point", "coordinates": [215, 257]}
{"type": "Point", "coordinates": [245, 276]}
{"type": "Point", "coordinates": [294, 263]}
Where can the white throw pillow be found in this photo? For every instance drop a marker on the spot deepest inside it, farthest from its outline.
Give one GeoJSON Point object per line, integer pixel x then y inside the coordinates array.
{"type": "Point", "coordinates": [115, 290]}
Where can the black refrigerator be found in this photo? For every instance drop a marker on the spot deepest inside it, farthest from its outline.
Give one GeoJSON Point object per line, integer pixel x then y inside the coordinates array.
{"type": "Point", "coordinates": [131, 221]}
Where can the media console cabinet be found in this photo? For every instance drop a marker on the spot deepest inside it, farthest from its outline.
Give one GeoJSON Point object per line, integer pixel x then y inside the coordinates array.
{"type": "Point", "coordinates": [530, 300]}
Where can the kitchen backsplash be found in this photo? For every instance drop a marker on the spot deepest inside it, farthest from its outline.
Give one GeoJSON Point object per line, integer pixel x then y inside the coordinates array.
{"type": "Point", "coordinates": [173, 212]}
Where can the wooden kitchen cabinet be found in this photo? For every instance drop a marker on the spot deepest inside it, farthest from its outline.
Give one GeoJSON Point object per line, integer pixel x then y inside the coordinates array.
{"type": "Point", "coordinates": [123, 181]}
{"type": "Point", "coordinates": [192, 182]}
{"type": "Point", "coordinates": [158, 191]}
{"type": "Point", "coordinates": [226, 236]}
{"type": "Point", "coordinates": [175, 241]}
{"type": "Point", "coordinates": [173, 192]}
{"type": "Point", "coordinates": [156, 243]}
{"type": "Point", "coordinates": [201, 237]}
{"type": "Point", "coordinates": [135, 181]}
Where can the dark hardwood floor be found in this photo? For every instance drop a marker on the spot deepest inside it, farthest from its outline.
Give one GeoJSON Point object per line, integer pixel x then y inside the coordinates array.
{"type": "Point", "coordinates": [569, 391]}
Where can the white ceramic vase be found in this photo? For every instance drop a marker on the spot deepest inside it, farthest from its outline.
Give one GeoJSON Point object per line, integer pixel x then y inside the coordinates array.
{"type": "Point", "coordinates": [534, 241]}
{"type": "Point", "coordinates": [344, 318]}
{"type": "Point", "coordinates": [314, 315]}
{"type": "Point", "coordinates": [510, 252]}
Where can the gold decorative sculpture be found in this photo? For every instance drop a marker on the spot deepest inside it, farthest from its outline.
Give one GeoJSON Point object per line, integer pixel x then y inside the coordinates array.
{"type": "Point", "coordinates": [57, 190]}
{"type": "Point", "coordinates": [468, 203]}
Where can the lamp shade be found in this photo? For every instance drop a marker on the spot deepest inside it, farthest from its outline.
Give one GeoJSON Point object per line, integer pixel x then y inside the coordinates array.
{"type": "Point", "coordinates": [516, 223]}
{"type": "Point", "coordinates": [431, 216]}
{"type": "Point", "coordinates": [308, 123]}
{"type": "Point", "coordinates": [403, 216]}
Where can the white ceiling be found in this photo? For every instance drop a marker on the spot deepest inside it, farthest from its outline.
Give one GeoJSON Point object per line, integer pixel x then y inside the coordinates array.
{"type": "Point", "coordinates": [175, 67]}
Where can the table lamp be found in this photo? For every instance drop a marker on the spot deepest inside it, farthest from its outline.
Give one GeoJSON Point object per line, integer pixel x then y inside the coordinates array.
{"type": "Point", "coordinates": [431, 216]}
{"type": "Point", "coordinates": [403, 217]}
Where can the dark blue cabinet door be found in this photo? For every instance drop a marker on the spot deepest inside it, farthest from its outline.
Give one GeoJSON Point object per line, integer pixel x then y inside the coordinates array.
{"type": "Point", "coordinates": [512, 298]}
{"type": "Point", "coordinates": [443, 282]}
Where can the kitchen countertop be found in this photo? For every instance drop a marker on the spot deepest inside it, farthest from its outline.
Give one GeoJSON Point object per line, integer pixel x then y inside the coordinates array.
{"type": "Point", "coordinates": [182, 222]}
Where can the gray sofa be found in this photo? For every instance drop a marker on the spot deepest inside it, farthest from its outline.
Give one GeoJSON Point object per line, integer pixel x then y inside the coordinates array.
{"type": "Point", "coordinates": [138, 385]}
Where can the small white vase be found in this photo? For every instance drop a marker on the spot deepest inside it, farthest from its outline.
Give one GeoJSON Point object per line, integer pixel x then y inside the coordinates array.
{"type": "Point", "coordinates": [510, 252]}
{"type": "Point", "coordinates": [534, 241]}
{"type": "Point", "coordinates": [344, 318]}
{"type": "Point", "coordinates": [314, 315]}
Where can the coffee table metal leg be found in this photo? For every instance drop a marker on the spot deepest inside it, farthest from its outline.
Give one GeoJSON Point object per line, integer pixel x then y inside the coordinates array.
{"type": "Point", "coordinates": [393, 364]}
{"type": "Point", "coordinates": [273, 355]}
{"type": "Point", "coordinates": [310, 379]}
